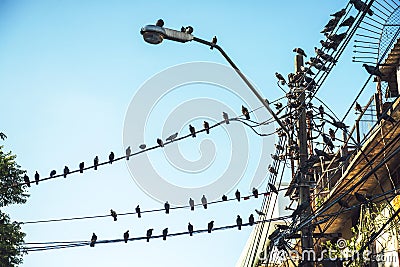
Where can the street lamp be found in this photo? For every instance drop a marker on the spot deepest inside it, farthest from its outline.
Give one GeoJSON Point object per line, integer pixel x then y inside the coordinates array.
{"type": "Point", "coordinates": [155, 34]}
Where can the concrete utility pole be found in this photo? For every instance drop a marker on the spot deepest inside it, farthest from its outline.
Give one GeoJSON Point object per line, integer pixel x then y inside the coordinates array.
{"type": "Point", "coordinates": [304, 185]}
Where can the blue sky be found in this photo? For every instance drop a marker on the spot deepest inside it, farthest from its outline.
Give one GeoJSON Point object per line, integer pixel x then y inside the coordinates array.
{"type": "Point", "coordinates": [68, 72]}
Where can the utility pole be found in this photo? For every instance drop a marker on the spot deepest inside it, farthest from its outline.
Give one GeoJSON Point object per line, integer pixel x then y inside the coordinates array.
{"type": "Point", "coordinates": [304, 185]}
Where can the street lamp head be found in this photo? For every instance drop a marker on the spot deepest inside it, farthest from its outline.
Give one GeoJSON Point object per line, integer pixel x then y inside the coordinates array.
{"type": "Point", "coordinates": [153, 34]}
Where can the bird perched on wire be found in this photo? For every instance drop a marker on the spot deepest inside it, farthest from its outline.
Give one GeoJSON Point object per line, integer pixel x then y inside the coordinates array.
{"type": "Point", "coordinates": [96, 162]}
{"type": "Point", "coordinates": [280, 78]}
{"type": "Point", "coordinates": [329, 45]}
{"type": "Point", "coordinates": [37, 177]}
{"type": "Point", "coordinates": [111, 157]}
{"type": "Point", "coordinates": [192, 131]}
{"type": "Point", "coordinates": [226, 117]}
{"type": "Point", "coordinates": [245, 112]}
{"type": "Point", "coordinates": [142, 146]}
{"type": "Point", "coordinates": [272, 170]}
{"type": "Point", "coordinates": [137, 209]}
{"type": "Point", "coordinates": [126, 236]}
{"type": "Point", "coordinates": [160, 23]}
{"type": "Point", "coordinates": [328, 141]}
{"type": "Point", "coordinates": [300, 51]}
{"type": "Point", "coordinates": [164, 234]}
{"type": "Point", "coordinates": [66, 171]}
{"type": "Point", "coordinates": [53, 173]}
{"type": "Point", "coordinates": [361, 6]}
{"type": "Point", "coordinates": [347, 22]}
{"type": "Point", "coordinates": [339, 14]}
{"type": "Point", "coordinates": [204, 201]}
{"type": "Point", "coordinates": [320, 67]}
{"type": "Point", "coordinates": [93, 240]}
{"type": "Point", "coordinates": [191, 203]}
{"type": "Point", "coordinates": [255, 192]}
{"type": "Point", "coordinates": [27, 181]}
{"type": "Point", "coordinates": [387, 117]}
{"type": "Point", "coordinates": [260, 213]}
{"type": "Point", "coordinates": [332, 23]}
{"type": "Point", "coordinates": [171, 137]}
{"type": "Point", "coordinates": [160, 142]}
{"type": "Point", "coordinates": [128, 152]}
{"type": "Point", "coordinates": [324, 56]}
{"type": "Point", "coordinates": [358, 107]}
{"type": "Point", "coordinates": [251, 219]}
{"type": "Point", "coordinates": [210, 226]}
{"type": "Point", "coordinates": [339, 125]}
{"type": "Point", "coordinates": [149, 233]}
{"type": "Point", "coordinates": [272, 188]}
{"type": "Point", "coordinates": [336, 37]}
{"type": "Point", "coordinates": [190, 229]}
{"type": "Point", "coordinates": [224, 198]}
{"type": "Point", "coordinates": [237, 195]}
{"type": "Point", "coordinates": [206, 127]}
{"type": "Point", "coordinates": [81, 166]}
{"type": "Point", "coordinates": [328, 29]}
{"type": "Point", "coordinates": [316, 60]}
{"type": "Point", "coordinates": [373, 70]}
{"type": "Point", "coordinates": [332, 134]}
{"type": "Point", "coordinates": [213, 42]}
{"type": "Point", "coordinates": [239, 222]}
{"type": "Point", "coordinates": [166, 207]}
{"type": "Point", "coordinates": [113, 214]}
{"type": "Point", "coordinates": [306, 70]}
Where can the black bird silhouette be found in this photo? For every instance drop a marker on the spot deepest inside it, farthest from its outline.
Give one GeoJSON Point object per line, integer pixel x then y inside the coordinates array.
{"type": "Point", "coordinates": [192, 131]}
{"type": "Point", "coordinates": [96, 162]}
{"type": "Point", "coordinates": [210, 226]}
{"type": "Point", "coordinates": [339, 125]}
{"type": "Point", "coordinates": [27, 181]}
{"type": "Point", "coordinates": [332, 22]}
{"type": "Point", "coordinates": [3, 136]}
{"type": "Point", "coordinates": [339, 14]}
{"type": "Point", "coordinates": [93, 240]}
{"type": "Point", "coordinates": [255, 192]}
{"type": "Point", "coordinates": [66, 171]}
{"type": "Point", "coordinates": [328, 29]}
{"type": "Point", "coordinates": [164, 234]}
{"type": "Point", "coordinates": [280, 78]}
{"type": "Point", "coordinates": [251, 219]}
{"type": "Point", "coordinates": [226, 117]}
{"type": "Point", "coordinates": [237, 195]}
{"type": "Point", "coordinates": [191, 203]}
{"type": "Point", "coordinates": [213, 42]}
{"type": "Point", "coordinates": [171, 137]}
{"type": "Point", "coordinates": [336, 37]}
{"type": "Point", "coordinates": [206, 126]}
{"type": "Point", "coordinates": [300, 51]}
{"type": "Point", "coordinates": [81, 166]}
{"type": "Point", "coordinates": [239, 222]}
{"type": "Point", "coordinates": [160, 23]}
{"type": "Point", "coordinates": [272, 170]}
{"type": "Point", "coordinates": [361, 6]}
{"type": "Point", "coordinates": [142, 146]}
{"type": "Point", "coordinates": [224, 198]}
{"type": "Point", "coordinates": [160, 142]}
{"type": "Point", "coordinates": [324, 56]}
{"type": "Point", "coordinates": [204, 201]}
{"type": "Point", "coordinates": [190, 229]}
{"type": "Point", "coordinates": [343, 204]}
{"type": "Point", "coordinates": [148, 234]}
{"type": "Point", "coordinates": [308, 70]}
{"type": "Point", "coordinates": [37, 177]}
{"type": "Point", "coordinates": [113, 214]}
{"type": "Point", "coordinates": [328, 141]}
{"type": "Point", "coordinates": [373, 70]}
{"type": "Point", "coordinates": [321, 67]}
{"type": "Point", "coordinates": [166, 207]}
{"type": "Point", "coordinates": [358, 107]}
{"type": "Point", "coordinates": [360, 197]}
{"type": "Point", "coordinates": [347, 22]}
{"type": "Point", "coordinates": [138, 211]}
{"type": "Point", "coordinates": [332, 134]}
{"type": "Point", "coordinates": [111, 157]}
{"type": "Point", "coordinates": [245, 112]}
{"type": "Point", "coordinates": [321, 110]}
{"type": "Point", "coordinates": [278, 105]}
{"type": "Point", "coordinates": [389, 118]}
{"type": "Point", "coordinates": [126, 236]}
{"type": "Point", "coordinates": [273, 188]}
{"type": "Point", "coordinates": [329, 45]}
{"type": "Point", "coordinates": [52, 173]}
{"type": "Point", "coordinates": [323, 154]}
{"type": "Point", "coordinates": [128, 152]}
{"type": "Point", "coordinates": [260, 213]}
